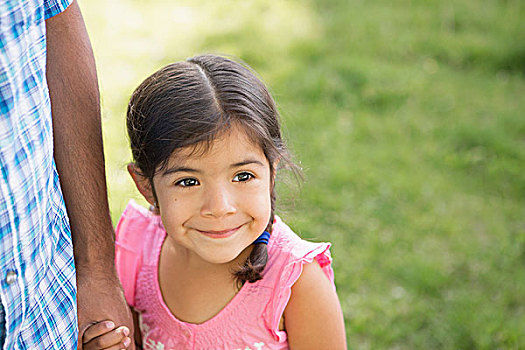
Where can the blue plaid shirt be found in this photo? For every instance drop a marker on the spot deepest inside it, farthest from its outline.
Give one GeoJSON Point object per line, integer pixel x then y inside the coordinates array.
{"type": "Point", "coordinates": [37, 272]}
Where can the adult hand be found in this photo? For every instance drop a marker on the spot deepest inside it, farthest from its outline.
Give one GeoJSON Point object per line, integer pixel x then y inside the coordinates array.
{"type": "Point", "coordinates": [100, 297]}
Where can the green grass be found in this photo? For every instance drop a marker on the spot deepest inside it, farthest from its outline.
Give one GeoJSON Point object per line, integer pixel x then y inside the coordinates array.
{"type": "Point", "coordinates": [408, 118]}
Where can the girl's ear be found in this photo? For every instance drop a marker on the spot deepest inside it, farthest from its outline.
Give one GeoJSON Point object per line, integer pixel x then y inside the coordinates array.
{"type": "Point", "coordinates": [143, 184]}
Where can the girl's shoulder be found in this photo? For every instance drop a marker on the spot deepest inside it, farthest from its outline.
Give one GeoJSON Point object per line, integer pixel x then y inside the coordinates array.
{"type": "Point", "coordinates": [287, 256]}
{"type": "Point", "coordinates": [138, 235]}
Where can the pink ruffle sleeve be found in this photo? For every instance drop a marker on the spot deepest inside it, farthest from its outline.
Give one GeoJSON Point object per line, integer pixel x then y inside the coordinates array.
{"type": "Point", "coordinates": [132, 227]}
{"type": "Point", "coordinates": [302, 252]}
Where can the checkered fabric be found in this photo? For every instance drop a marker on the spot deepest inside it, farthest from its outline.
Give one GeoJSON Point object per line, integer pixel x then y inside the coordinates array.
{"type": "Point", "coordinates": [2, 324]}
{"type": "Point", "coordinates": [37, 272]}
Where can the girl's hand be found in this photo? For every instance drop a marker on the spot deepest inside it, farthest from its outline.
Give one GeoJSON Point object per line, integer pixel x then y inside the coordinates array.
{"type": "Point", "coordinates": [104, 335]}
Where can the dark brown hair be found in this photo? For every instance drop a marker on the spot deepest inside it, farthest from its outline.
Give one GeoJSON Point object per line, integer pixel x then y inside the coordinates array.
{"type": "Point", "coordinates": [190, 103]}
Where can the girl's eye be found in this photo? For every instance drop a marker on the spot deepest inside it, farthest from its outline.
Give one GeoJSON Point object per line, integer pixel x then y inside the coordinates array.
{"type": "Point", "coordinates": [243, 177]}
{"type": "Point", "coordinates": [187, 182]}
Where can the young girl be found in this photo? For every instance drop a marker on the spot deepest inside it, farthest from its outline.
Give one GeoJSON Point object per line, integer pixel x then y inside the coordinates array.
{"type": "Point", "coordinates": [210, 266]}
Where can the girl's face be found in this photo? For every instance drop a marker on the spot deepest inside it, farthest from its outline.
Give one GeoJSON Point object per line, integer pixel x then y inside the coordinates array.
{"type": "Point", "coordinates": [216, 204]}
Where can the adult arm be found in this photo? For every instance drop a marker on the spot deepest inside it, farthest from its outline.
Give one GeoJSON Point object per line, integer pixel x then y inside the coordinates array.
{"type": "Point", "coordinates": [73, 88]}
{"type": "Point", "coordinates": [313, 318]}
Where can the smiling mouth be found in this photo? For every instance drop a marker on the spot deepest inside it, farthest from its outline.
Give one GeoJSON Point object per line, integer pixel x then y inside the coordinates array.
{"type": "Point", "coordinates": [221, 234]}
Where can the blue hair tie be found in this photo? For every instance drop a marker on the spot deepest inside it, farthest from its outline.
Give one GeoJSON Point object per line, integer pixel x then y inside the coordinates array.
{"type": "Point", "coordinates": [263, 238]}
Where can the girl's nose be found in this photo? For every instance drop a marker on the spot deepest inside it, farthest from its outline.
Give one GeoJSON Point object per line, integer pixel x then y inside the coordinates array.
{"type": "Point", "coordinates": [218, 203]}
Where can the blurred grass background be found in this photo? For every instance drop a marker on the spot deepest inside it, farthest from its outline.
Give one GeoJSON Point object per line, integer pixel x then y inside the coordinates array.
{"type": "Point", "coordinates": [408, 118]}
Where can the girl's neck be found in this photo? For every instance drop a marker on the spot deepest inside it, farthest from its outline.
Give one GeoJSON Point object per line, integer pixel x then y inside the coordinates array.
{"type": "Point", "coordinates": [193, 289]}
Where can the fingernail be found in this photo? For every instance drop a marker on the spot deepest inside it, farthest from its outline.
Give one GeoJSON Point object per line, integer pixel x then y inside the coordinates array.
{"type": "Point", "coordinates": [126, 342]}
{"type": "Point", "coordinates": [125, 331]}
{"type": "Point", "coordinates": [110, 325]}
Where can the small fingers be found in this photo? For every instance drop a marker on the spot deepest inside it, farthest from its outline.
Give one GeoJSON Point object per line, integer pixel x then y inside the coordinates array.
{"type": "Point", "coordinates": [124, 344]}
{"type": "Point", "coordinates": [97, 329]}
{"type": "Point", "coordinates": [111, 338]}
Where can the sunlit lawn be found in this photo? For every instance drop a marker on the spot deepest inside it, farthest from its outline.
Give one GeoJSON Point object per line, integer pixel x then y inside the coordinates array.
{"type": "Point", "coordinates": [408, 119]}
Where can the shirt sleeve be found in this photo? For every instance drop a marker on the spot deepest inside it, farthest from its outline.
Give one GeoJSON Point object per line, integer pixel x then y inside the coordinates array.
{"type": "Point", "coordinates": [128, 253]}
{"type": "Point", "coordinates": [299, 253]}
{"type": "Point", "coordinates": [54, 7]}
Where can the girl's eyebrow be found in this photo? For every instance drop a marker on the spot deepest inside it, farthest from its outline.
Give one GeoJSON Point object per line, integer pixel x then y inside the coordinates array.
{"type": "Point", "coordinates": [177, 169]}
{"type": "Point", "coordinates": [246, 162]}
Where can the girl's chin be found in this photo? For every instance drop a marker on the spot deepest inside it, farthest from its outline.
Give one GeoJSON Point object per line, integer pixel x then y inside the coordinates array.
{"type": "Point", "coordinates": [226, 257]}
{"type": "Point", "coordinates": [221, 259]}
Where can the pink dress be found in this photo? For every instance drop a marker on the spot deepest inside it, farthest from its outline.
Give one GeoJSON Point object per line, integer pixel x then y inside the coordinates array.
{"type": "Point", "coordinates": [251, 318]}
